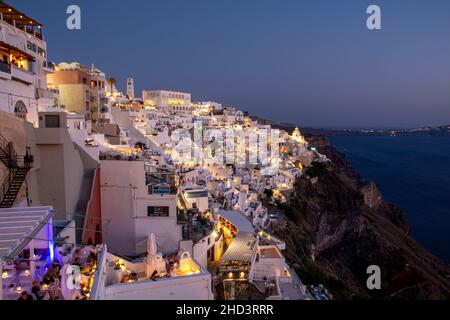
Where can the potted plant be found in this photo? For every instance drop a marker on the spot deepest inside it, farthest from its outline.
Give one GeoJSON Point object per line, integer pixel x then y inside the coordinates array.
{"type": "Point", "coordinates": [118, 273]}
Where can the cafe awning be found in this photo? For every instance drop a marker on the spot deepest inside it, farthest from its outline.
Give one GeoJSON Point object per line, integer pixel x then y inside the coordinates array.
{"type": "Point", "coordinates": [241, 249]}
{"type": "Point", "coordinates": [18, 226]}
{"type": "Point", "coordinates": [238, 220]}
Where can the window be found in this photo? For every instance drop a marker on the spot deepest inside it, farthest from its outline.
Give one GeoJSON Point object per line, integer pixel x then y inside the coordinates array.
{"type": "Point", "coordinates": [41, 52]}
{"type": "Point", "coordinates": [31, 66]}
{"type": "Point", "coordinates": [31, 46]}
{"type": "Point", "coordinates": [157, 211]}
{"type": "Point", "coordinates": [20, 110]}
{"type": "Point", "coordinates": [52, 121]}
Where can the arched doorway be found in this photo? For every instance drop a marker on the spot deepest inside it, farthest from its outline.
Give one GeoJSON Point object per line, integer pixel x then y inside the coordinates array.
{"type": "Point", "coordinates": [20, 110]}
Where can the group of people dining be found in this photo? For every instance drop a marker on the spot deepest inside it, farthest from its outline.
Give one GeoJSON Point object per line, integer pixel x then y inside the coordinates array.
{"type": "Point", "coordinates": [54, 284]}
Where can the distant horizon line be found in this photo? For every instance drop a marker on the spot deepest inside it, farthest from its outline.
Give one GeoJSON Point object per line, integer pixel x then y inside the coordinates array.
{"type": "Point", "coordinates": [360, 128]}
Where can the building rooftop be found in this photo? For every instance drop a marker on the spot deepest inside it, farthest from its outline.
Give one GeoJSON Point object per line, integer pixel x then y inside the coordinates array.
{"type": "Point", "coordinates": [238, 220]}
{"type": "Point", "coordinates": [192, 192]}
{"type": "Point", "coordinates": [20, 20]}
{"type": "Point", "coordinates": [241, 249]}
{"type": "Point", "coordinates": [270, 253]}
{"type": "Point", "coordinates": [18, 226]}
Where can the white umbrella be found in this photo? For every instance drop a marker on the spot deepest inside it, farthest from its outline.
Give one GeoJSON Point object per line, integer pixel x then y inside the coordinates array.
{"type": "Point", "coordinates": [151, 254]}
{"type": "Point", "coordinates": [68, 287]}
{"type": "Point", "coordinates": [151, 245]}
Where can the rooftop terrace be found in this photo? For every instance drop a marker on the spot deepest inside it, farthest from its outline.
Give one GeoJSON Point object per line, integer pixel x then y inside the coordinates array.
{"type": "Point", "coordinates": [20, 21]}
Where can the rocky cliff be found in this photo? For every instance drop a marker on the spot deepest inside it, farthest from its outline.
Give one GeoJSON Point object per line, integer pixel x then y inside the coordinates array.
{"type": "Point", "coordinates": [338, 224]}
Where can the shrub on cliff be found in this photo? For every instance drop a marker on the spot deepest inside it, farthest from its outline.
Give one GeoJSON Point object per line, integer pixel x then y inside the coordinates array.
{"type": "Point", "coordinates": [316, 169]}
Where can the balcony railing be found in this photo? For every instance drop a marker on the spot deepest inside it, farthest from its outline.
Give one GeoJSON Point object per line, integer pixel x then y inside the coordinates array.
{"type": "Point", "coordinates": [162, 189]}
{"type": "Point", "coordinates": [33, 30]}
{"type": "Point", "coordinates": [45, 93]}
{"type": "Point", "coordinates": [5, 67]}
{"type": "Point", "coordinates": [49, 65]}
{"type": "Point", "coordinates": [22, 74]}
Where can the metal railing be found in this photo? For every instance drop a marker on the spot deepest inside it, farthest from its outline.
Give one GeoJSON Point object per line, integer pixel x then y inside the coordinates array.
{"type": "Point", "coordinates": [6, 184]}
{"type": "Point", "coordinates": [17, 161]}
{"type": "Point", "coordinates": [5, 67]}
{"type": "Point", "coordinates": [8, 150]}
{"type": "Point", "coordinates": [49, 65]}
{"type": "Point", "coordinates": [21, 162]}
{"type": "Point", "coordinates": [162, 189]}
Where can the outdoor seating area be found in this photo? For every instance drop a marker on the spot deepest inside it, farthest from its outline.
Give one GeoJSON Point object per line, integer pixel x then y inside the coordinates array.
{"type": "Point", "coordinates": [17, 275]}
{"type": "Point", "coordinates": [44, 278]}
{"type": "Point", "coordinates": [165, 267]}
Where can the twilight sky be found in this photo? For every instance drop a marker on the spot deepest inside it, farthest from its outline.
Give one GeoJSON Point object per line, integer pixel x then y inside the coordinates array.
{"type": "Point", "coordinates": [312, 62]}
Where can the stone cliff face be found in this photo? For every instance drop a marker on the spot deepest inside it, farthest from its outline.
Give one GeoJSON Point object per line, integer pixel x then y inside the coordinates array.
{"type": "Point", "coordinates": [337, 225]}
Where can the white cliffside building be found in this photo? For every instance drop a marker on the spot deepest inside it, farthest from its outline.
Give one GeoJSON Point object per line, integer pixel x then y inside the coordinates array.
{"type": "Point", "coordinates": [23, 66]}
{"type": "Point", "coordinates": [170, 101]}
{"type": "Point", "coordinates": [130, 88]}
{"type": "Point", "coordinates": [134, 204]}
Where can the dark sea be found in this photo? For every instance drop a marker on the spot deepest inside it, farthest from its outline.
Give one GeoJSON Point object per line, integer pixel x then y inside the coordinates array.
{"type": "Point", "coordinates": [412, 173]}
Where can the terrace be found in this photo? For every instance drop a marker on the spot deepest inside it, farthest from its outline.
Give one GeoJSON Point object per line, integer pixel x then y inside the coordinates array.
{"type": "Point", "coordinates": [238, 258]}
{"type": "Point", "coordinates": [160, 182]}
{"type": "Point", "coordinates": [266, 239]}
{"type": "Point", "coordinates": [20, 21]}
{"type": "Point", "coordinates": [16, 63]}
{"type": "Point", "coordinates": [26, 248]}
{"type": "Point", "coordinates": [152, 277]}
{"type": "Point", "coordinates": [32, 262]}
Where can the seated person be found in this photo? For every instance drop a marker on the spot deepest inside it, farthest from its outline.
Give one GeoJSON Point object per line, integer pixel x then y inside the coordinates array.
{"type": "Point", "coordinates": [36, 290]}
{"type": "Point", "coordinates": [76, 254]}
{"type": "Point", "coordinates": [57, 265]}
{"type": "Point", "coordinates": [52, 274]}
{"type": "Point", "coordinates": [91, 260]}
{"type": "Point", "coordinates": [77, 262]}
{"type": "Point", "coordinates": [24, 296]}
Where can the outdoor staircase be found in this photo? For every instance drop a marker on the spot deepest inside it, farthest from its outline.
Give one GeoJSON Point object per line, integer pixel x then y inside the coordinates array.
{"type": "Point", "coordinates": [18, 166]}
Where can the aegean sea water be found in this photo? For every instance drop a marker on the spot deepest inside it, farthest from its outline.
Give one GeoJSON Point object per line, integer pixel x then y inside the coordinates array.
{"type": "Point", "coordinates": [414, 174]}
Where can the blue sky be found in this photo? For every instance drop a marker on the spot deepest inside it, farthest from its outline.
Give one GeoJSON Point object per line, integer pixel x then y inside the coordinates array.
{"type": "Point", "coordinates": [313, 62]}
